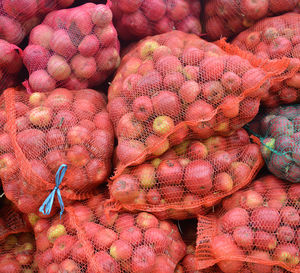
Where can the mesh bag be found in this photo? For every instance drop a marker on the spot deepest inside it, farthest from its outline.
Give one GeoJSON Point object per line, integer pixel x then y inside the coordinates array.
{"type": "Point", "coordinates": [175, 86]}
{"type": "Point", "coordinates": [87, 240]}
{"type": "Point", "coordinates": [17, 18]}
{"type": "Point", "coordinates": [42, 131]}
{"type": "Point", "coordinates": [227, 18]}
{"type": "Point", "coordinates": [17, 254]}
{"type": "Point", "coordinates": [279, 136]}
{"type": "Point", "coordinates": [136, 19]}
{"type": "Point", "coordinates": [255, 230]}
{"type": "Point", "coordinates": [75, 48]}
{"type": "Point", "coordinates": [274, 38]}
{"type": "Point", "coordinates": [16, 243]}
{"type": "Point", "coordinates": [10, 64]}
{"type": "Point", "coordinates": [189, 177]}
{"type": "Point", "coordinates": [189, 264]}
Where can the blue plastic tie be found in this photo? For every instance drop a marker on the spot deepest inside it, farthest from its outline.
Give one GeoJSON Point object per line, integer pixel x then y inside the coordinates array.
{"type": "Point", "coordinates": [47, 205]}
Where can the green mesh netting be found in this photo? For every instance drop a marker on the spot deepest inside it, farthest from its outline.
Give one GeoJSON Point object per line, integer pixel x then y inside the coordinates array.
{"type": "Point", "coordinates": [279, 133]}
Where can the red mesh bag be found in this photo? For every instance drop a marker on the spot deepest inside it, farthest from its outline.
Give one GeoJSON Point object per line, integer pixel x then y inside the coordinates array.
{"type": "Point", "coordinates": [42, 131]}
{"type": "Point", "coordinates": [10, 64]}
{"type": "Point", "coordinates": [275, 38]}
{"type": "Point", "coordinates": [175, 86]}
{"type": "Point", "coordinates": [255, 230]}
{"type": "Point", "coordinates": [227, 18]}
{"type": "Point", "coordinates": [87, 240]}
{"type": "Point", "coordinates": [136, 19]}
{"type": "Point", "coordinates": [190, 177]}
{"type": "Point", "coordinates": [75, 48]}
{"type": "Point", "coordinates": [17, 18]}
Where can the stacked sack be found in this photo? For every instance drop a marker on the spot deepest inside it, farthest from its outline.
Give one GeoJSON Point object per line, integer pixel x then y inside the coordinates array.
{"type": "Point", "coordinates": [175, 86]}
{"type": "Point", "coordinates": [42, 131]}
{"type": "Point", "coordinates": [19, 17]}
{"type": "Point", "coordinates": [136, 19]}
{"type": "Point", "coordinates": [86, 239]}
{"type": "Point", "coordinates": [255, 230]}
{"type": "Point", "coordinates": [271, 39]}
{"type": "Point", "coordinates": [190, 177]}
{"type": "Point", "coordinates": [75, 48]}
{"type": "Point", "coordinates": [228, 18]}
{"type": "Point", "coordinates": [177, 105]}
{"type": "Point", "coordinates": [279, 134]}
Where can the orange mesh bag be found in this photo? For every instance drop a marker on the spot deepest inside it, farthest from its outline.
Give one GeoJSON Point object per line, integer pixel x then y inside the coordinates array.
{"type": "Point", "coordinates": [16, 243]}
{"type": "Point", "coordinates": [257, 229]}
{"type": "Point", "coordinates": [17, 18]}
{"type": "Point", "coordinates": [225, 18]}
{"type": "Point", "coordinates": [175, 86]}
{"type": "Point", "coordinates": [271, 39]}
{"type": "Point", "coordinates": [43, 131]}
{"type": "Point", "coordinates": [190, 177]}
{"type": "Point", "coordinates": [74, 48]}
{"type": "Point", "coordinates": [86, 239]}
{"type": "Point", "coordinates": [136, 19]}
{"type": "Point", "coordinates": [189, 264]}
{"type": "Point", "coordinates": [10, 64]}
{"type": "Point", "coordinates": [17, 254]}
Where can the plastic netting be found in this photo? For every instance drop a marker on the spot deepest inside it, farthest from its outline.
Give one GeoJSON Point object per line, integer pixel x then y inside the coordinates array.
{"type": "Point", "coordinates": [42, 131]}
{"type": "Point", "coordinates": [226, 18]}
{"type": "Point", "coordinates": [10, 64]}
{"type": "Point", "coordinates": [274, 38]}
{"type": "Point", "coordinates": [189, 264]}
{"type": "Point", "coordinates": [17, 245]}
{"type": "Point", "coordinates": [176, 86]}
{"type": "Point", "coordinates": [190, 177]}
{"type": "Point", "coordinates": [255, 230]}
{"type": "Point", "coordinates": [74, 48]}
{"type": "Point", "coordinates": [136, 19]}
{"type": "Point", "coordinates": [85, 239]}
{"type": "Point", "coordinates": [17, 254]}
{"type": "Point", "coordinates": [18, 17]}
{"type": "Point", "coordinates": [279, 134]}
